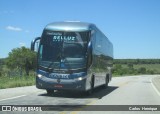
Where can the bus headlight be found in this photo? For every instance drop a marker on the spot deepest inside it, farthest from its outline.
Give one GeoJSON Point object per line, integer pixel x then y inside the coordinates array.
{"type": "Point", "coordinates": [80, 78]}
{"type": "Point", "coordinates": [39, 76]}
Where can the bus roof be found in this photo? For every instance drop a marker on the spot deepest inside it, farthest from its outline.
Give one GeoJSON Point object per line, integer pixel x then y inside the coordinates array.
{"type": "Point", "coordinates": [69, 26]}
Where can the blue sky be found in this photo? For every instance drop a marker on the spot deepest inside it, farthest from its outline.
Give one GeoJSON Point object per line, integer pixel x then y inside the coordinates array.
{"type": "Point", "coordinates": [133, 26]}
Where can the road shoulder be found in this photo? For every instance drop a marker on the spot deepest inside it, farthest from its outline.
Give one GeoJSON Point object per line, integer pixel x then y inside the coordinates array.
{"type": "Point", "coordinates": [156, 83]}
{"type": "Point", "coordinates": [17, 92]}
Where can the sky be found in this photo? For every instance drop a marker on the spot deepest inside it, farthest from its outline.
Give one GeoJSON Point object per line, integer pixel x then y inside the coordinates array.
{"type": "Point", "coordinates": [133, 26]}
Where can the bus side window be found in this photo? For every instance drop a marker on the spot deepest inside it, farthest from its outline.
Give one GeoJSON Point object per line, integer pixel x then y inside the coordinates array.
{"type": "Point", "coordinates": [89, 57]}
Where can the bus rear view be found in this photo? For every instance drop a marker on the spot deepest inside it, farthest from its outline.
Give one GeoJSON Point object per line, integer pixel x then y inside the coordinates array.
{"type": "Point", "coordinates": [66, 58]}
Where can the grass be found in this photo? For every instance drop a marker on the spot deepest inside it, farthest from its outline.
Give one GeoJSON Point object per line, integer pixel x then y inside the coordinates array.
{"type": "Point", "coordinates": [16, 81]}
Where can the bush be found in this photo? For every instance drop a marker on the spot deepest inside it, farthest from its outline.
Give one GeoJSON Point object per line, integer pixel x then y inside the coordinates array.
{"type": "Point", "coordinates": [142, 70]}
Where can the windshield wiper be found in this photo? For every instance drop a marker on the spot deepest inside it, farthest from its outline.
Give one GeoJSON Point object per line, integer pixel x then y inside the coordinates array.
{"type": "Point", "coordinates": [43, 67]}
{"type": "Point", "coordinates": [49, 68]}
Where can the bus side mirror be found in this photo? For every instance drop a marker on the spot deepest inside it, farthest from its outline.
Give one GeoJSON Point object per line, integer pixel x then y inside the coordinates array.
{"type": "Point", "coordinates": [34, 42]}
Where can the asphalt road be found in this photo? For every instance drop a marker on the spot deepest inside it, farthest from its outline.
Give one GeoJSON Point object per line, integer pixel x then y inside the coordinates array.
{"type": "Point", "coordinates": [128, 90]}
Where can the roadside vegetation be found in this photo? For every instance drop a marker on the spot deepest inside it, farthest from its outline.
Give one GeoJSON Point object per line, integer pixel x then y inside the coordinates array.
{"type": "Point", "coordinates": [19, 68]}
{"type": "Point", "coordinates": [16, 81]}
{"type": "Point", "coordinates": [123, 67]}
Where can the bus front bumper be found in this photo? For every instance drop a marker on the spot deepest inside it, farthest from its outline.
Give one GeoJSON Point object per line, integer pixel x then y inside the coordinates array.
{"type": "Point", "coordinates": [78, 84]}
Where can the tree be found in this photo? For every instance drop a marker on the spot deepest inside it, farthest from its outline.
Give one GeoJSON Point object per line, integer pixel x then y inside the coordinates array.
{"type": "Point", "coordinates": [21, 58]}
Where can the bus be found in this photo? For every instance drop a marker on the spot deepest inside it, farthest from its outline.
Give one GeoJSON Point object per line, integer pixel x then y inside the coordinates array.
{"type": "Point", "coordinates": [74, 56]}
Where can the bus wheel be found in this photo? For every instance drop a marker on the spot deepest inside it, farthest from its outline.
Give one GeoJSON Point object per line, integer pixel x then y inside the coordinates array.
{"type": "Point", "coordinates": [49, 92]}
{"type": "Point", "coordinates": [106, 82]}
{"type": "Point", "coordinates": [89, 92]}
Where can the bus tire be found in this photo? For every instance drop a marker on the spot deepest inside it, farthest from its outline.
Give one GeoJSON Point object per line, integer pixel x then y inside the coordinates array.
{"type": "Point", "coordinates": [49, 92]}
{"type": "Point", "coordinates": [106, 82]}
{"type": "Point", "coordinates": [89, 92]}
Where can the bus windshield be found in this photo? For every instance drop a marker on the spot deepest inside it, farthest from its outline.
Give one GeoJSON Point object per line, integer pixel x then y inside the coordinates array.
{"type": "Point", "coordinates": [63, 50]}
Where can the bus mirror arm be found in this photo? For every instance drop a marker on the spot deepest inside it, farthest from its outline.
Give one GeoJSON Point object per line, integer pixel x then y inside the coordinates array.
{"type": "Point", "coordinates": [33, 43]}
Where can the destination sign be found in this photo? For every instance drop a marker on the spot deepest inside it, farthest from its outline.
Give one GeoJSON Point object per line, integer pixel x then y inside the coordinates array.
{"type": "Point", "coordinates": [59, 38]}
{"type": "Point", "coordinates": [62, 37]}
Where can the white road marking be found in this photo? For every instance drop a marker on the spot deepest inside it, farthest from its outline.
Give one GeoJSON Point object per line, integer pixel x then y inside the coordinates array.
{"type": "Point", "coordinates": [12, 97]}
{"type": "Point", "coordinates": [155, 87]}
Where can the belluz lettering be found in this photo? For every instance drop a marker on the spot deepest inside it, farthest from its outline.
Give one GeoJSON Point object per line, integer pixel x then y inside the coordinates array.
{"type": "Point", "coordinates": [63, 38]}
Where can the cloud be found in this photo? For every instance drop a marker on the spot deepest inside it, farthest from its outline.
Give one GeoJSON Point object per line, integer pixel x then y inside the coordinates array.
{"type": "Point", "coordinates": [22, 44]}
{"type": "Point", "coordinates": [12, 28]}
{"type": "Point", "coordinates": [17, 29]}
